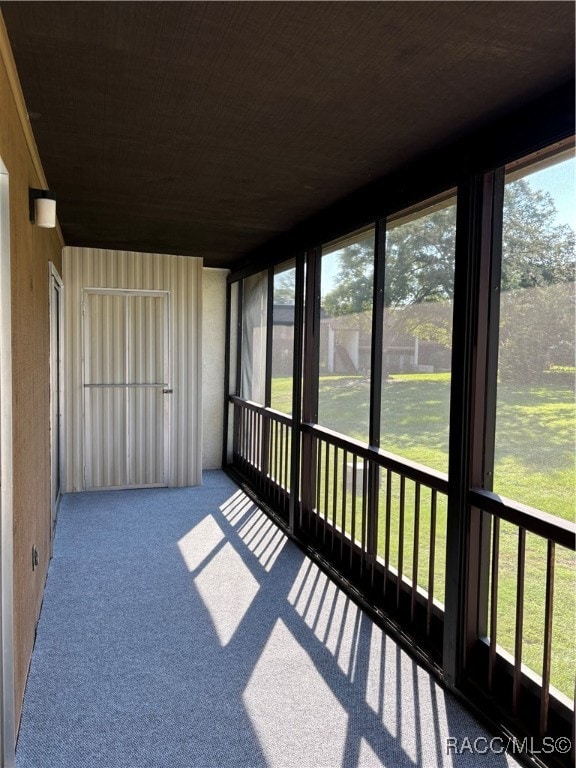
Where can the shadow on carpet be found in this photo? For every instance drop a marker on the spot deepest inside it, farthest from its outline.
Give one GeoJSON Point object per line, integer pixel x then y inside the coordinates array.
{"type": "Point", "coordinates": [181, 629]}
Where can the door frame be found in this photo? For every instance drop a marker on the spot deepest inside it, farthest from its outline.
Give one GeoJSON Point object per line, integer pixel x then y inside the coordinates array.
{"type": "Point", "coordinates": [56, 309]}
{"type": "Point", "coordinates": [86, 414]}
{"type": "Point", "coordinates": [7, 714]}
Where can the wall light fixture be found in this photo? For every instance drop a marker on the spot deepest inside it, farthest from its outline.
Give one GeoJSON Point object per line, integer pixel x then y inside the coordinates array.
{"type": "Point", "coordinates": [42, 208]}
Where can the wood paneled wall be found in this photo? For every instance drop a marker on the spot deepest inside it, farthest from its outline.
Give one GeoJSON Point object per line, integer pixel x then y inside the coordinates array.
{"type": "Point", "coordinates": [32, 249]}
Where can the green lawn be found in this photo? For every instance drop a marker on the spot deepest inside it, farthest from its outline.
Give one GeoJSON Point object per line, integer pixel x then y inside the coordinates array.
{"type": "Point", "coordinates": [536, 429]}
{"type": "Point", "coordinates": [534, 465]}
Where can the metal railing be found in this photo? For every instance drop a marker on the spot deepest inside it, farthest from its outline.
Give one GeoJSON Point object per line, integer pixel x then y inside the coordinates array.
{"type": "Point", "coordinates": [377, 518]}
{"type": "Point", "coordinates": [532, 551]}
{"type": "Point", "coordinates": [261, 451]}
{"type": "Point", "coordinates": [380, 521]}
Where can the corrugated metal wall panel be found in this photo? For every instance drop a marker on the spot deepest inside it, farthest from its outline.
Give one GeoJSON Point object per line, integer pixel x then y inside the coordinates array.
{"type": "Point", "coordinates": [181, 277]}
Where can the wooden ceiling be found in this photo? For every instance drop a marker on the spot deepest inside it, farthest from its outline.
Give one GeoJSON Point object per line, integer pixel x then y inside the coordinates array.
{"type": "Point", "coordinates": [210, 128]}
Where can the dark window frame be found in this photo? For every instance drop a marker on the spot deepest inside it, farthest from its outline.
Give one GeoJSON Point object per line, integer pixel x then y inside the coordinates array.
{"type": "Point", "coordinates": [476, 168]}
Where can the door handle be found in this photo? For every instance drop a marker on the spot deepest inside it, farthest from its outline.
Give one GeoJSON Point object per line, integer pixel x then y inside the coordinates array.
{"type": "Point", "coordinates": [167, 391]}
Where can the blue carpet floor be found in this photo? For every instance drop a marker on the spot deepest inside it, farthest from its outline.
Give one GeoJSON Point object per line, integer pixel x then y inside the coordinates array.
{"type": "Point", "coordinates": [181, 629]}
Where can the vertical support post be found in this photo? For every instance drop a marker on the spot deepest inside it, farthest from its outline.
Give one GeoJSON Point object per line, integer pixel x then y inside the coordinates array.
{"type": "Point", "coordinates": [485, 420]}
{"type": "Point", "coordinates": [265, 444]}
{"type": "Point", "coordinates": [376, 385]}
{"type": "Point", "coordinates": [269, 339]}
{"type": "Point", "coordinates": [239, 420]}
{"type": "Point", "coordinates": [377, 333]}
{"type": "Point", "coordinates": [239, 340]}
{"type": "Point", "coordinates": [491, 297]}
{"type": "Point", "coordinates": [472, 415]}
{"type": "Point", "coordinates": [296, 394]}
{"type": "Point", "coordinates": [227, 350]}
{"type": "Point", "coordinates": [311, 369]}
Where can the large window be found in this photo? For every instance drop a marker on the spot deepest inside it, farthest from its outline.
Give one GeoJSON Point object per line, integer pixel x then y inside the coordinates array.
{"type": "Point", "coordinates": [283, 315]}
{"type": "Point", "coordinates": [536, 413]}
{"type": "Point", "coordinates": [535, 403]}
{"type": "Point", "coordinates": [253, 370]}
{"type": "Point", "coordinates": [417, 334]}
{"type": "Point", "coordinates": [347, 293]}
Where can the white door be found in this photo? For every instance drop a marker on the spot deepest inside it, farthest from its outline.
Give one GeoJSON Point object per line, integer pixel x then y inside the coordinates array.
{"type": "Point", "coordinates": [126, 388]}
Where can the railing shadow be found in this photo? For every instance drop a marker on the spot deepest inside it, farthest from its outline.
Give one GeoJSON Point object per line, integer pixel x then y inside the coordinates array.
{"type": "Point", "coordinates": [181, 628]}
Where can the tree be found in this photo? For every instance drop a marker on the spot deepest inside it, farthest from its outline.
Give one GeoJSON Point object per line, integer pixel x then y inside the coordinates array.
{"type": "Point", "coordinates": [537, 335]}
{"type": "Point", "coordinates": [285, 287]}
{"type": "Point", "coordinates": [354, 292]}
{"type": "Point", "coordinates": [420, 255]}
{"type": "Point", "coordinates": [420, 259]}
{"type": "Point", "coordinates": [536, 252]}
{"type": "Point", "coordinates": [535, 249]}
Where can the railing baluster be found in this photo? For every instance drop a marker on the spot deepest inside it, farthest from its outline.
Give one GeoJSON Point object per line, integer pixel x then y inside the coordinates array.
{"type": "Point", "coordinates": [353, 510]}
{"type": "Point", "coordinates": [431, 561]}
{"type": "Point", "coordinates": [319, 477]}
{"type": "Point", "coordinates": [298, 436]}
{"type": "Point", "coordinates": [548, 615]}
{"type": "Point", "coordinates": [374, 477]}
{"type": "Point", "coordinates": [279, 455]}
{"type": "Point", "coordinates": [266, 469]}
{"type": "Point", "coordinates": [344, 498]}
{"type": "Point", "coordinates": [283, 479]}
{"type": "Point", "coordinates": [401, 538]}
{"type": "Point", "coordinates": [249, 436]}
{"type": "Point", "coordinates": [494, 599]}
{"type": "Point", "coordinates": [282, 457]}
{"type": "Point", "coordinates": [326, 492]}
{"type": "Point", "coordinates": [253, 426]}
{"type": "Point", "coordinates": [415, 546]}
{"type": "Point", "coordinates": [257, 449]}
{"type": "Point", "coordinates": [276, 446]}
{"type": "Point", "coordinates": [387, 527]}
{"type": "Point", "coordinates": [255, 442]}
{"type": "Point", "coordinates": [287, 449]}
{"type": "Point", "coordinates": [263, 434]}
{"type": "Point", "coordinates": [272, 455]}
{"type": "Point", "coordinates": [236, 432]}
{"type": "Point", "coordinates": [275, 430]}
{"type": "Point", "coordinates": [281, 482]}
{"type": "Point", "coordinates": [263, 448]}
{"type": "Point", "coordinates": [334, 497]}
{"type": "Point", "coordinates": [519, 620]}
{"type": "Point", "coordinates": [279, 460]}
{"type": "Point", "coordinates": [364, 512]}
